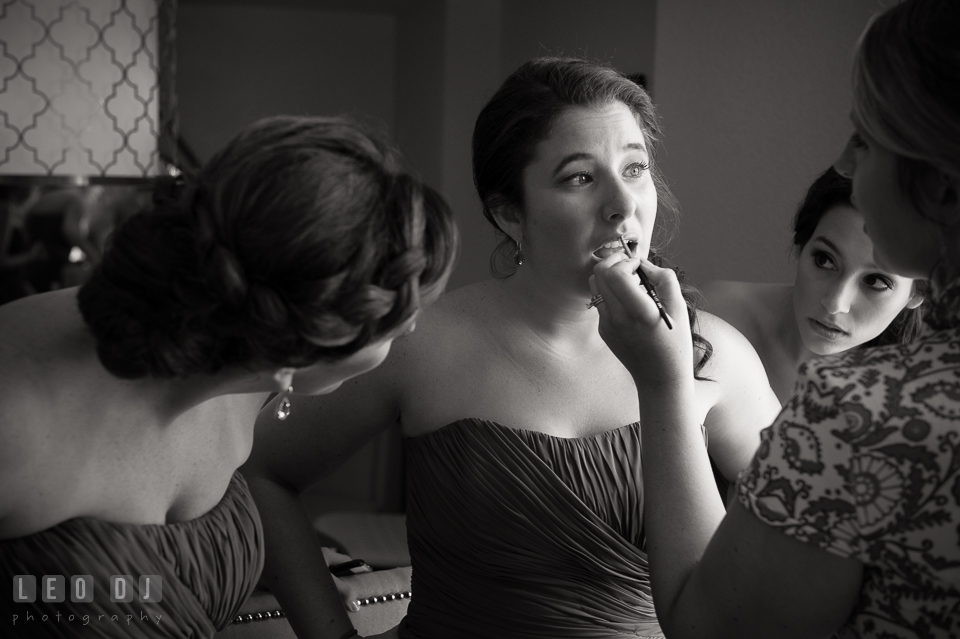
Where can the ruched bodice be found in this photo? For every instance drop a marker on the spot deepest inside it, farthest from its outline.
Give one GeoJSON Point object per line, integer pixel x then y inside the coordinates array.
{"type": "Point", "coordinates": [518, 534]}
{"type": "Point", "coordinates": [208, 565]}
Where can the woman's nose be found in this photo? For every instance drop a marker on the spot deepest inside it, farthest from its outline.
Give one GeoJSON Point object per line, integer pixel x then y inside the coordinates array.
{"type": "Point", "coordinates": [619, 202]}
{"type": "Point", "coordinates": [847, 162]}
{"type": "Point", "coordinates": [839, 298]}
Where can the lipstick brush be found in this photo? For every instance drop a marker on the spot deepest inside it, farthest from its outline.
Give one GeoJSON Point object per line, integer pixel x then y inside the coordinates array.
{"type": "Point", "coordinates": [652, 292]}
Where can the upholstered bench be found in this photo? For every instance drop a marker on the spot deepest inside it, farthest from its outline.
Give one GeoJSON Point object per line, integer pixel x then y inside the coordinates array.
{"type": "Point", "coordinates": [383, 596]}
{"type": "Point", "coordinates": [381, 541]}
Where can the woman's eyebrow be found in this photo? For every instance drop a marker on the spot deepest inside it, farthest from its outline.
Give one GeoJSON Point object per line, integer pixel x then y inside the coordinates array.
{"type": "Point", "coordinates": [567, 159]}
{"type": "Point", "coordinates": [573, 157]}
{"type": "Point", "coordinates": [870, 266]}
{"type": "Point", "coordinates": [830, 245]}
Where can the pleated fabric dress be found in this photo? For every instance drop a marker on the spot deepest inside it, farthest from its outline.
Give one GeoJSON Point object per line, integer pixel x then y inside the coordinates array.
{"type": "Point", "coordinates": [208, 565]}
{"type": "Point", "coordinates": [516, 534]}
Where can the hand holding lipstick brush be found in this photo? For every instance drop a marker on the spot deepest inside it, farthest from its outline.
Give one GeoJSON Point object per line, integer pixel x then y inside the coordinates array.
{"type": "Point", "coordinates": [652, 292]}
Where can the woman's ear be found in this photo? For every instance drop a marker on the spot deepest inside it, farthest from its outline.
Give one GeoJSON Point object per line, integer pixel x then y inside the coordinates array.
{"type": "Point", "coordinates": [284, 378]}
{"type": "Point", "coordinates": [916, 297]}
{"type": "Point", "coordinates": [507, 218]}
{"type": "Point", "coordinates": [915, 301]}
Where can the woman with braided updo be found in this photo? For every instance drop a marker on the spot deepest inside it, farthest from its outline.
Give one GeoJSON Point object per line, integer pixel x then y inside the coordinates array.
{"type": "Point", "coordinates": [525, 495]}
{"type": "Point", "coordinates": [289, 264]}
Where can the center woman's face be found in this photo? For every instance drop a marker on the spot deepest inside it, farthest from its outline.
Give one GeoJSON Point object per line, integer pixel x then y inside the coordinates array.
{"type": "Point", "coordinates": [589, 182]}
{"type": "Point", "coordinates": [841, 297]}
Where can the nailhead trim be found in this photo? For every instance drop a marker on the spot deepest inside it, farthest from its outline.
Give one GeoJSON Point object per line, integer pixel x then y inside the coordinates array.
{"type": "Point", "coordinates": [276, 614]}
{"type": "Point", "coordinates": [384, 598]}
{"type": "Point", "coordinates": [259, 616]}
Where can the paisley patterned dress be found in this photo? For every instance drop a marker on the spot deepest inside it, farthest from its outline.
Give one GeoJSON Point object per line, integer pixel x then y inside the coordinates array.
{"type": "Point", "coordinates": [864, 462]}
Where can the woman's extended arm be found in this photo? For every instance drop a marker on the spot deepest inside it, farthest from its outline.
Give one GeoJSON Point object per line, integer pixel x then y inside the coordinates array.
{"type": "Point", "coordinates": [289, 456]}
{"type": "Point", "coordinates": [712, 576]}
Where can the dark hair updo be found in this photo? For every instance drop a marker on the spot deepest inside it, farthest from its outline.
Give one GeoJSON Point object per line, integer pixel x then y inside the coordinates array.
{"type": "Point", "coordinates": [301, 241]}
{"type": "Point", "coordinates": [829, 191]}
{"type": "Point", "coordinates": [521, 115]}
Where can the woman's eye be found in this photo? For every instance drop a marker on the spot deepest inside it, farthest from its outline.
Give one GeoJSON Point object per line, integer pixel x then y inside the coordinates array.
{"type": "Point", "coordinates": [636, 169]}
{"type": "Point", "coordinates": [578, 179]}
{"type": "Point", "coordinates": [823, 260]}
{"type": "Point", "coordinates": [878, 282]}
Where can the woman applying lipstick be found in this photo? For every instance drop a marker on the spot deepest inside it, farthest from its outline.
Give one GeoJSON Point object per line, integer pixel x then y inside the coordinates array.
{"type": "Point", "coordinates": [525, 506]}
{"type": "Point", "coordinates": [845, 523]}
{"type": "Point", "coordinates": [840, 298]}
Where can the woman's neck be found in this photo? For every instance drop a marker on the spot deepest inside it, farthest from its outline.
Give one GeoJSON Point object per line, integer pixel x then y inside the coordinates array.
{"type": "Point", "coordinates": [783, 348]}
{"type": "Point", "coordinates": [65, 343]}
{"type": "Point", "coordinates": [557, 315]}
{"type": "Point", "coordinates": [793, 347]}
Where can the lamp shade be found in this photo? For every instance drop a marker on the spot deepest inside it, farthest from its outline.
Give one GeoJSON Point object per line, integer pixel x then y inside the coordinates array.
{"type": "Point", "coordinates": [80, 95]}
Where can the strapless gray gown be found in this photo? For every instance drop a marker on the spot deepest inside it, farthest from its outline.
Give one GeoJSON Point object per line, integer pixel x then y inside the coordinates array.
{"type": "Point", "coordinates": [516, 534]}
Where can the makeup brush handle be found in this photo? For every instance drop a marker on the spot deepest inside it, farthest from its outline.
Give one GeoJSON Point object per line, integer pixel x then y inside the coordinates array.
{"type": "Point", "coordinates": [652, 292]}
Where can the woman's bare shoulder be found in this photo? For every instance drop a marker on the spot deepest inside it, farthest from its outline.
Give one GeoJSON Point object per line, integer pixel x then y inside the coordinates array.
{"type": "Point", "coordinates": [32, 445]}
{"type": "Point", "coordinates": [467, 301]}
{"type": "Point", "coordinates": [734, 360]}
{"type": "Point", "coordinates": [747, 306]}
{"type": "Point", "coordinates": [728, 294]}
{"type": "Point", "coordinates": [742, 400]}
{"type": "Point", "coordinates": [452, 322]}
{"type": "Point", "coordinates": [24, 351]}
{"type": "Point", "coordinates": [46, 375]}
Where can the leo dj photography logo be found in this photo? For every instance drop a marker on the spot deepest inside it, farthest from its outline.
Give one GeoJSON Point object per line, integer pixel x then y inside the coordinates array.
{"type": "Point", "coordinates": [53, 590]}
{"type": "Point", "coordinates": [149, 588]}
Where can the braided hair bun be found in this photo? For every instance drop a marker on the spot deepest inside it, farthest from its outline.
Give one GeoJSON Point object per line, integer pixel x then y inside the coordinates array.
{"type": "Point", "coordinates": [301, 241]}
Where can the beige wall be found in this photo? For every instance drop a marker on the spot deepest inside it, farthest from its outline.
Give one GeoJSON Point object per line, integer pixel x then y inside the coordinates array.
{"type": "Point", "coordinates": [754, 97]}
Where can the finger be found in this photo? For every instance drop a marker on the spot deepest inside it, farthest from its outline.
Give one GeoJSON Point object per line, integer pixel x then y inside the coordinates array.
{"type": "Point", "coordinates": [656, 275]}
{"type": "Point", "coordinates": [665, 286]}
{"type": "Point", "coordinates": [619, 283]}
{"type": "Point", "coordinates": [348, 594]}
{"type": "Point", "coordinates": [596, 294]}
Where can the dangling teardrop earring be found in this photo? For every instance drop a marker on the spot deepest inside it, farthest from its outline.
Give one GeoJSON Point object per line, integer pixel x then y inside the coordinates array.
{"type": "Point", "coordinates": [518, 256]}
{"type": "Point", "coordinates": [283, 408]}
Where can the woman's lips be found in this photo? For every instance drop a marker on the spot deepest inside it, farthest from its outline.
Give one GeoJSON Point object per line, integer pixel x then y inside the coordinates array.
{"type": "Point", "coordinates": [605, 251]}
{"type": "Point", "coordinates": [609, 248]}
{"type": "Point", "coordinates": [829, 332]}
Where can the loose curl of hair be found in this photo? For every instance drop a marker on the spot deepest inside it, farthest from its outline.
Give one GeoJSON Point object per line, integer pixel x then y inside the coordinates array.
{"type": "Point", "coordinates": [522, 113]}
{"type": "Point", "coordinates": [829, 191]}
{"type": "Point", "coordinates": [301, 241]}
{"type": "Point", "coordinates": [906, 90]}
